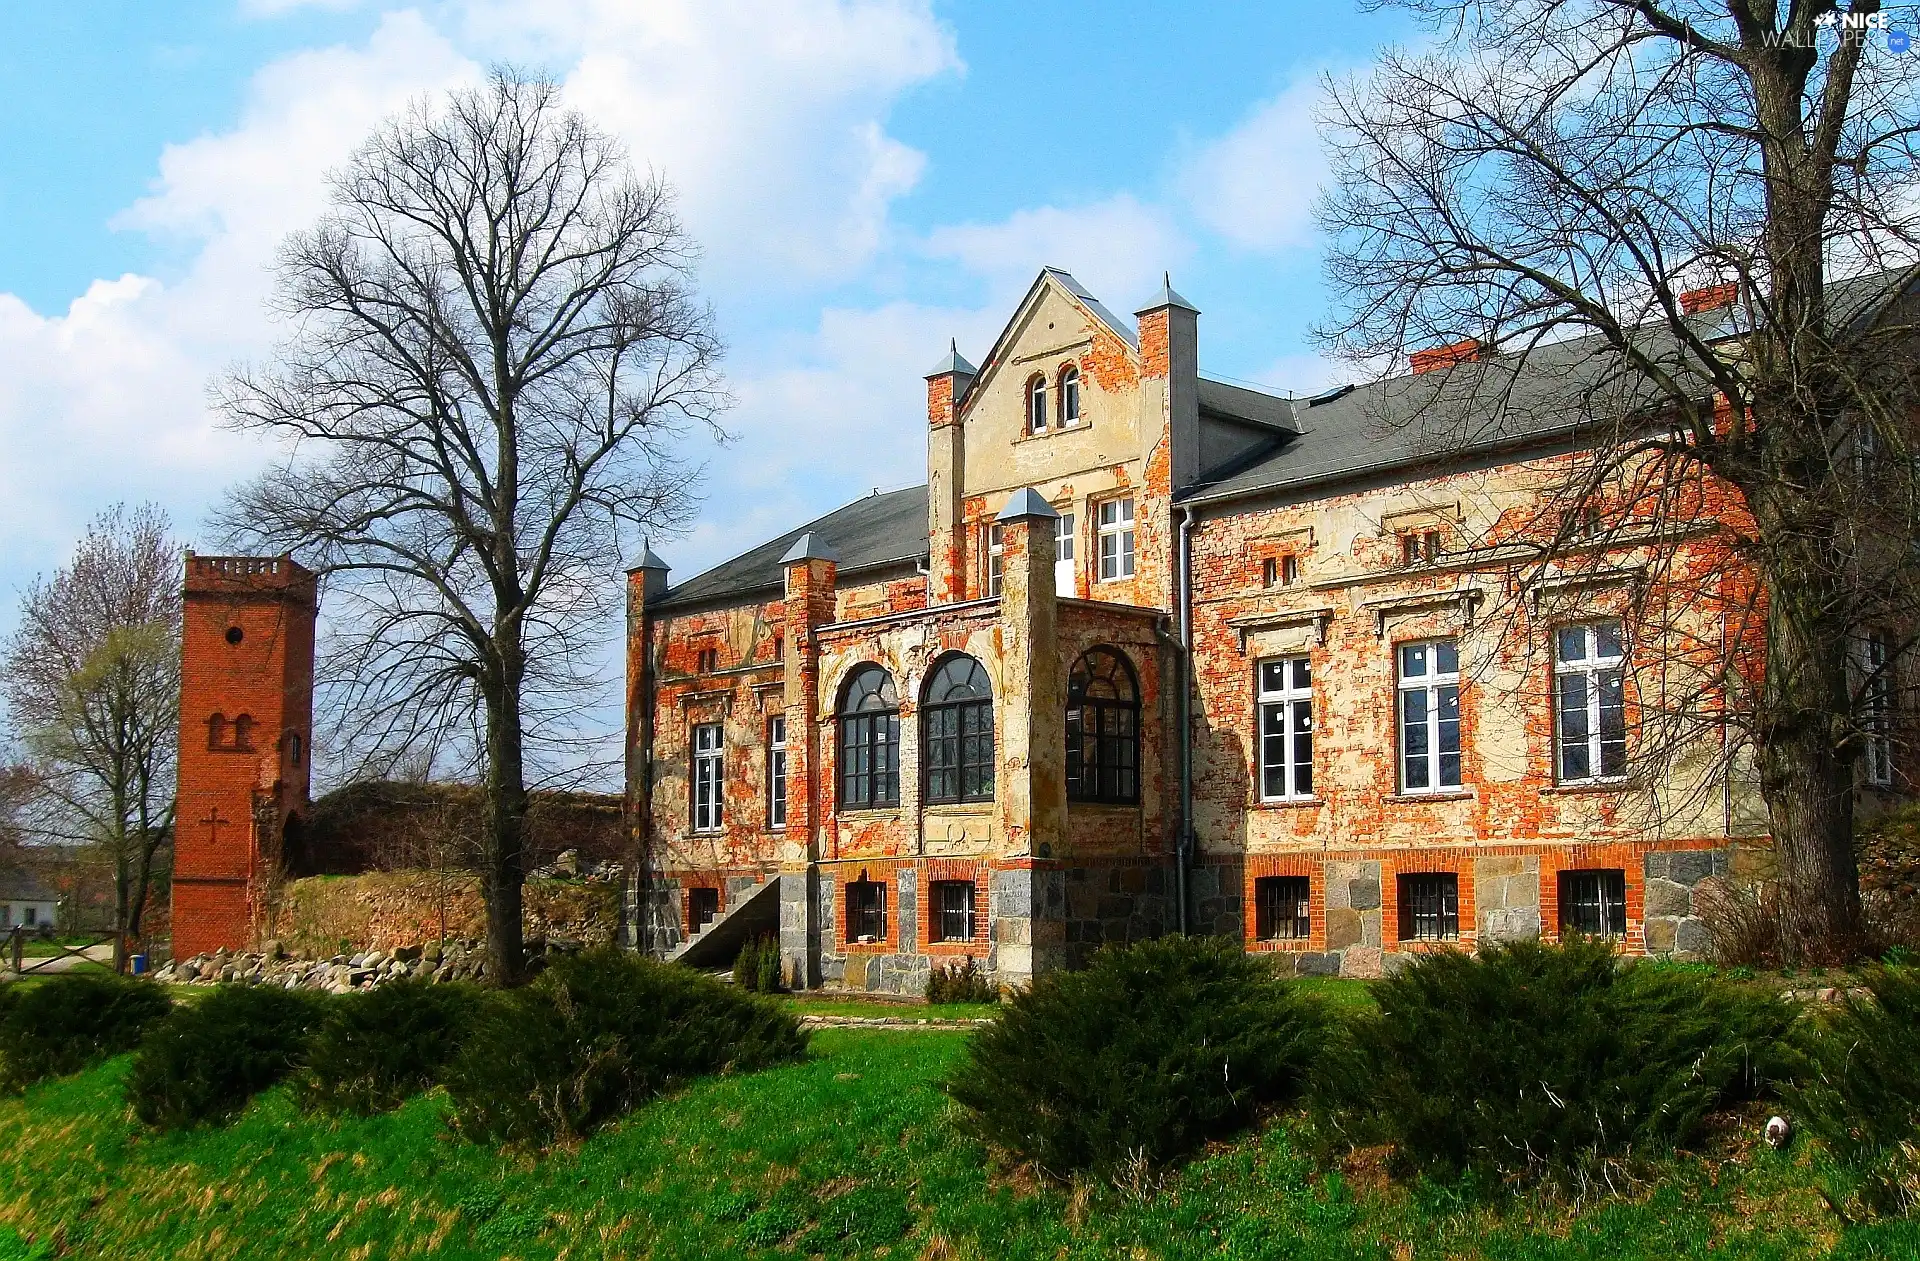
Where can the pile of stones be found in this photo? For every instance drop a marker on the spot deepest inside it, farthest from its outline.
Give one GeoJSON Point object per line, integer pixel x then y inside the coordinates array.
{"type": "Point", "coordinates": [272, 965]}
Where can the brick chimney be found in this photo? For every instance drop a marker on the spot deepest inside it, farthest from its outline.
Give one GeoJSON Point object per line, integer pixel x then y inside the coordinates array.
{"type": "Point", "coordinates": [1711, 298]}
{"type": "Point", "coordinates": [1435, 358]}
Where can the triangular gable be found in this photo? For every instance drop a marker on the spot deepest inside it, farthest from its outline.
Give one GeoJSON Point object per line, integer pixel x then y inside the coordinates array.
{"type": "Point", "coordinates": [1064, 282]}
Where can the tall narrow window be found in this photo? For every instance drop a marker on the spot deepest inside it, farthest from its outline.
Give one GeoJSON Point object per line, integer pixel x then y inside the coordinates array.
{"type": "Point", "coordinates": [1289, 570]}
{"type": "Point", "coordinates": [777, 771]}
{"type": "Point", "coordinates": [709, 778]}
{"type": "Point", "coordinates": [1590, 708]}
{"type": "Point", "coordinates": [1037, 405]}
{"type": "Point", "coordinates": [703, 907]}
{"type": "Point", "coordinates": [1115, 518]}
{"type": "Point", "coordinates": [952, 910]}
{"type": "Point", "coordinates": [1103, 729]}
{"type": "Point", "coordinates": [957, 726]}
{"type": "Point", "coordinates": [243, 732]}
{"type": "Point", "coordinates": [706, 660]}
{"type": "Point", "coordinates": [869, 741]}
{"type": "Point", "coordinates": [1430, 907]}
{"type": "Point", "coordinates": [1283, 908]}
{"type": "Point", "coordinates": [1069, 395]}
{"type": "Point", "coordinates": [1876, 709]}
{"type": "Point", "coordinates": [1270, 572]}
{"type": "Point", "coordinates": [996, 559]}
{"type": "Point", "coordinates": [1063, 556]}
{"type": "Point", "coordinates": [1286, 729]}
{"type": "Point", "coordinates": [1429, 716]}
{"type": "Point", "coordinates": [866, 911]}
{"type": "Point", "coordinates": [1420, 547]}
{"type": "Point", "coordinates": [1593, 903]}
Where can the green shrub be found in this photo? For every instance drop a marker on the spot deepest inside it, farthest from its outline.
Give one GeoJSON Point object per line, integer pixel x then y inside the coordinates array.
{"type": "Point", "coordinates": [379, 1048]}
{"type": "Point", "coordinates": [1545, 1063]}
{"type": "Point", "coordinates": [70, 1021]}
{"type": "Point", "coordinates": [1150, 1052]}
{"type": "Point", "coordinates": [959, 982]}
{"type": "Point", "coordinates": [207, 1059]}
{"type": "Point", "coordinates": [598, 1034]}
{"type": "Point", "coordinates": [757, 967]}
{"type": "Point", "coordinates": [1860, 1092]}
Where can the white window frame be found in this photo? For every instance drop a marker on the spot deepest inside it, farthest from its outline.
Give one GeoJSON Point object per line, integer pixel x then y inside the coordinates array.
{"type": "Point", "coordinates": [709, 741]}
{"type": "Point", "coordinates": [1069, 396]}
{"type": "Point", "coordinates": [1037, 417]}
{"type": "Point", "coordinates": [1434, 686]}
{"type": "Point", "coordinates": [996, 560]}
{"type": "Point", "coordinates": [1115, 538]}
{"type": "Point", "coordinates": [1876, 707]}
{"type": "Point", "coordinates": [1284, 691]}
{"type": "Point", "coordinates": [777, 771]}
{"type": "Point", "coordinates": [1063, 553]}
{"type": "Point", "coordinates": [1594, 667]}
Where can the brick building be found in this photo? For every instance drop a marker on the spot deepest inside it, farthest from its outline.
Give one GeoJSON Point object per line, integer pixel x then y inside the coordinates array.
{"type": "Point", "coordinates": [246, 726]}
{"type": "Point", "coordinates": [947, 721]}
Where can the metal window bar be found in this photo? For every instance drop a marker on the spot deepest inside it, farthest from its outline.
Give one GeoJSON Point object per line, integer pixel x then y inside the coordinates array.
{"type": "Point", "coordinates": [1283, 908]}
{"type": "Point", "coordinates": [1430, 907]}
{"type": "Point", "coordinates": [953, 902]}
{"type": "Point", "coordinates": [1593, 903]}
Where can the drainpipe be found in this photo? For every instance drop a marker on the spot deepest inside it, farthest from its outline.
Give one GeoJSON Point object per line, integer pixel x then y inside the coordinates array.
{"type": "Point", "coordinates": [1183, 849]}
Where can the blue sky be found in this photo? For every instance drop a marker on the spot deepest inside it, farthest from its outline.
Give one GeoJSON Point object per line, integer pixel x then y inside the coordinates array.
{"type": "Point", "coordinates": [867, 178]}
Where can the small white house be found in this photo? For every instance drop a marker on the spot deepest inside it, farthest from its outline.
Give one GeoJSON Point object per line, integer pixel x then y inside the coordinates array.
{"type": "Point", "coordinates": [26, 902]}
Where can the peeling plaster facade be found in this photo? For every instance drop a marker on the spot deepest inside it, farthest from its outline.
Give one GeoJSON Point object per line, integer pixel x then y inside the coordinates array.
{"type": "Point", "coordinates": [1320, 572]}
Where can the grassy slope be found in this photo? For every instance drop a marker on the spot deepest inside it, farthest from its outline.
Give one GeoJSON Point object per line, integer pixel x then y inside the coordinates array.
{"type": "Point", "coordinates": [849, 1154]}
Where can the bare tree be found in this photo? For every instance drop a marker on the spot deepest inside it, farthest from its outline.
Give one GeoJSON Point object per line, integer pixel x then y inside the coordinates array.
{"type": "Point", "coordinates": [1547, 179]}
{"type": "Point", "coordinates": [496, 353]}
{"type": "Point", "coordinates": [93, 687]}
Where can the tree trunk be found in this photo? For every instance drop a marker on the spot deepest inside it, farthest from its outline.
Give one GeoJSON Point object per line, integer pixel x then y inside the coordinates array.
{"type": "Point", "coordinates": [1806, 760]}
{"type": "Point", "coordinates": [506, 817]}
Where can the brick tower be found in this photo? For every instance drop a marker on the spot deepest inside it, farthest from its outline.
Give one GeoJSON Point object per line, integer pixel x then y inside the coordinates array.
{"type": "Point", "coordinates": [246, 719]}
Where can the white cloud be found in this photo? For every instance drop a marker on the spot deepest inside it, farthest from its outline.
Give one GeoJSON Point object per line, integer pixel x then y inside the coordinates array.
{"type": "Point", "coordinates": [1256, 184]}
{"type": "Point", "coordinates": [106, 400]}
{"type": "Point", "coordinates": [1117, 248]}
{"type": "Point", "coordinates": [280, 8]}
{"type": "Point", "coordinates": [766, 115]}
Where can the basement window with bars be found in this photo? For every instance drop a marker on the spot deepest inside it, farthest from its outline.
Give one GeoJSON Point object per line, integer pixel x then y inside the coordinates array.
{"type": "Point", "coordinates": [1430, 907]}
{"type": "Point", "coordinates": [1283, 908]}
{"type": "Point", "coordinates": [1286, 729]}
{"type": "Point", "coordinates": [952, 910]}
{"type": "Point", "coordinates": [703, 907]}
{"type": "Point", "coordinates": [709, 778]}
{"type": "Point", "coordinates": [866, 912]}
{"type": "Point", "coordinates": [1593, 903]}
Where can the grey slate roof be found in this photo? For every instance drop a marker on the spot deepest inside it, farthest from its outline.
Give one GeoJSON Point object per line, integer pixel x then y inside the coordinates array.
{"type": "Point", "coordinates": [870, 532]}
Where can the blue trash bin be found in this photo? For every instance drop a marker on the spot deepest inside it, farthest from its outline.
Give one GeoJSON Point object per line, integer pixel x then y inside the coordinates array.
{"type": "Point", "coordinates": [139, 965]}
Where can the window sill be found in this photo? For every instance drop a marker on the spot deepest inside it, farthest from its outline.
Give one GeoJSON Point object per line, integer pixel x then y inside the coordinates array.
{"type": "Point", "coordinates": [1578, 787]}
{"type": "Point", "coordinates": [1451, 794]}
{"type": "Point", "coordinates": [869, 948]}
{"type": "Point", "coordinates": [1283, 945]}
{"type": "Point", "coordinates": [1427, 945]}
{"type": "Point", "coordinates": [1073, 804]}
{"type": "Point", "coordinates": [961, 805]}
{"type": "Point", "coordinates": [1290, 803]}
{"type": "Point", "coordinates": [719, 831]}
{"type": "Point", "coordinates": [1054, 431]}
{"type": "Point", "coordinates": [868, 812]}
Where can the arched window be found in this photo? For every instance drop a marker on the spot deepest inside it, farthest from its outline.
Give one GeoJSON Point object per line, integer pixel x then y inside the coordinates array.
{"type": "Point", "coordinates": [1037, 405]}
{"type": "Point", "coordinates": [957, 732]}
{"type": "Point", "coordinates": [869, 740]}
{"type": "Point", "coordinates": [217, 731]}
{"type": "Point", "coordinates": [1103, 729]}
{"type": "Point", "coordinates": [243, 732]}
{"type": "Point", "coordinates": [1069, 395]}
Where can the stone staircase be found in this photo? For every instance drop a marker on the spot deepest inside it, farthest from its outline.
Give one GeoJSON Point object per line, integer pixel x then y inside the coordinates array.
{"type": "Point", "coordinates": [755, 913]}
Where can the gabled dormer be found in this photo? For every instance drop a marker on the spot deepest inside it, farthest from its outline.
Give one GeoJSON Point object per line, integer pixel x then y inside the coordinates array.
{"type": "Point", "coordinates": [1100, 416]}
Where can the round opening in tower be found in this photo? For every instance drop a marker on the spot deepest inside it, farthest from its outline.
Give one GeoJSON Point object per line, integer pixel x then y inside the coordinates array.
{"type": "Point", "coordinates": [235, 634]}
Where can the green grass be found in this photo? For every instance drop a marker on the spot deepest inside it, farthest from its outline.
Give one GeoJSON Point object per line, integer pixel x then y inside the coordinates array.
{"type": "Point", "coordinates": [892, 1011]}
{"type": "Point", "coordinates": [852, 1153]}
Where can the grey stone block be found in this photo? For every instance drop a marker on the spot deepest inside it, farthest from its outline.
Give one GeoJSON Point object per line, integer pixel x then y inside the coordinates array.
{"type": "Point", "coordinates": [1343, 929]}
{"type": "Point", "coordinates": [1316, 965]}
{"type": "Point", "coordinates": [1666, 897]}
{"type": "Point", "coordinates": [1364, 895]}
{"type": "Point", "coordinates": [1692, 866]}
{"type": "Point", "coordinates": [1659, 865]}
{"type": "Point", "coordinates": [1691, 938]}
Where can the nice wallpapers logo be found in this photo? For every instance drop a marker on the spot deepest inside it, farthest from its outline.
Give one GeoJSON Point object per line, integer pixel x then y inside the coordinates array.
{"type": "Point", "coordinates": [1849, 28]}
